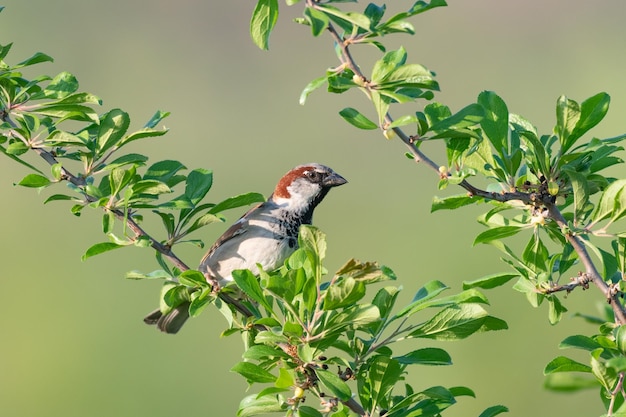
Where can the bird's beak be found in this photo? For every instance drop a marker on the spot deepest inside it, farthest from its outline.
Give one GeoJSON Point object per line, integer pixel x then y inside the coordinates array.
{"type": "Point", "coordinates": [334, 180]}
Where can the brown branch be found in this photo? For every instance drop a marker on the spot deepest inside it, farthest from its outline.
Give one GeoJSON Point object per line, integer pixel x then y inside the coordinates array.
{"type": "Point", "coordinates": [613, 297]}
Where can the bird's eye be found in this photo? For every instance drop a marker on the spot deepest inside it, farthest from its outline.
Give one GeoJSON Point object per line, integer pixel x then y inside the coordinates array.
{"type": "Point", "coordinates": [312, 175]}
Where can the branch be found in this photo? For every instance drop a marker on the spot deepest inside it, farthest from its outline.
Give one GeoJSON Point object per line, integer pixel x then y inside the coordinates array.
{"type": "Point", "coordinates": [612, 296]}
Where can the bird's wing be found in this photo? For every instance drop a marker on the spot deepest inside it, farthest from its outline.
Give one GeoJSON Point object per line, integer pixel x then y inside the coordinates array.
{"type": "Point", "coordinates": [236, 229]}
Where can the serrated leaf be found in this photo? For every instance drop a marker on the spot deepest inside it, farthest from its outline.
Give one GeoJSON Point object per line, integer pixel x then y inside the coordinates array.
{"type": "Point", "coordinates": [263, 20]}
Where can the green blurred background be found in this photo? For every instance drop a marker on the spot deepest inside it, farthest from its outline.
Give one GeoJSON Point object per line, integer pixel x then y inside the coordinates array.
{"type": "Point", "coordinates": [73, 342]}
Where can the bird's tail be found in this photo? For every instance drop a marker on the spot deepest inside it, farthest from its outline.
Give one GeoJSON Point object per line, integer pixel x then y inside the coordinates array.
{"type": "Point", "coordinates": [171, 322]}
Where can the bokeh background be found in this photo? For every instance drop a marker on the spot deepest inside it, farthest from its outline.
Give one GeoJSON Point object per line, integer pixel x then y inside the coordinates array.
{"type": "Point", "coordinates": [73, 343]}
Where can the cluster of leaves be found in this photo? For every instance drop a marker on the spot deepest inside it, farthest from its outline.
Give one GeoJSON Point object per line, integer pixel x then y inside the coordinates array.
{"type": "Point", "coordinates": [303, 328]}
{"type": "Point", "coordinates": [90, 161]}
{"type": "Point", "coordinates": [296, 324]}
{"type": "Point", "coordinates": [607, 351]}
{"type": "Point", "coordinates": [555, 185]}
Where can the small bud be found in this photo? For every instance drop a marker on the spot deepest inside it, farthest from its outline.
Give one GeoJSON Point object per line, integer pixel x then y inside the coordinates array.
{"type": "Point", "coordinates": [358, 80]}
{"type": "Point", "coordinates": [389, 134]}
{"type": "Point", "coordinates": [298, 392]}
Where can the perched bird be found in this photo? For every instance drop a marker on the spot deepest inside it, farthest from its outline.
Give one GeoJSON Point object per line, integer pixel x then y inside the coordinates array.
{"type": "Point", "coordinates": [267, 234]}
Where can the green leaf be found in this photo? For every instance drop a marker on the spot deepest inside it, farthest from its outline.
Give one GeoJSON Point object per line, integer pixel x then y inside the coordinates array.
{"type": "Point", "coordinates": [385, 299]}
{"type": "Point", "coordinates": [142, 134]}
{"type": "Point", "coordinates": [467, 117]}
{"type": "Point", "coordinates": [569, 382]}
{"type": "Point", "coordinates": [494, 411]}
{"type": "Point", "coordinates": [334, 384]}
{"type": "Point", "coordinates": [61, 86]}
{"type": "Point", "coordinates": [384, 373]}
{"type": "Point", "coordinates": [151, 187]}
{"type": "Point", "coordinates": [495, 124]}
{"type": "Point", "coordinates": [389, 62]}
{"type": "Point", "coordinates": [253, 373]}
{"type": "Point", "coordinates": [408, 119]}
{"type": "Point", "coordinates": [16, 148]}
{"type": "Point", "coordinates": [425, 356]}
{"type": "Point", "coordinates": [556, 309]}
{"type": "Point", "coordinates": [496, 233]}
{"type": "Point", "coordinates": [580, 190]}
{"type": "Point", "coordinates": [237, 201]}
{"type": "Point", "coordinates": [249, 284]}
{"type": "Point", "coordinates": [567, 116]}
{"type": "Point", "coordinates": [107, 222]}
{"type": "Point", "coordinates": [306, 411]}
{"type": "Point", "coordinates": [259, 352]}
{"type": "Point", "coordinates": [129, 159]}
{"type": "Point", "coordinates": [592, 111]}
{"type": "Point", "coordinates": [453, 202]}
{"type": "Point", "coordinates": [38, 58]}
{"type": "Point", "coordinates": [310, 87]}
{"type": "Point", "coordinates": [429, 291]}
{"type": "Point", "coordinates": [343, 293]}
{"type": "Point", "coordinates": [156, 119]}
{"type": "Point", "coordinates": [198, 184]}
{"type": "Point", "coordinates": [60, 137]}
{"type": "Point", "coordinates": [313, 241]}
{"type": "Point", "coordinates": [263, 20]}
{"type": "Point", "coordinates": [612, 202]}
{"type": "Point", "coordinates": [563, 364]}
{"type": "Point", "coordinates": [317, 19]}
{"type": "Point", "coordinates": [200, 300]}
{"type": "Point", "coordinates": [34, 181]}
{"type": "Point", "coordinates": [355, 118]}
{"type": "Point", "coordinates": [458, 322]}
{"type": "Point", "coordinates": [99, 248]}
{"type": "Point", "coordinates": [252, 406]}
{"type": "Point", "coordinates": [368, 272]}
{"type": "Point", "coordinates": [59, 197]}
{"type": "Point", "coordinates": [192, 278]}
{"type": "Point", "coordinates": [489, 282]}
{"type": "Point", "coordinates": [113, 127]}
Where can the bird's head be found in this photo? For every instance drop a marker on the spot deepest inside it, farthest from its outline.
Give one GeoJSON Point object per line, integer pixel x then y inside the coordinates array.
{"type": "Point", "coordinates": [304, 187]}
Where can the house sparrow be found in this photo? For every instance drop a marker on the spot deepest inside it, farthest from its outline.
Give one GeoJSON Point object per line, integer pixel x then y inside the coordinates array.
{"type": "Point", "coordinates": [267, 234]}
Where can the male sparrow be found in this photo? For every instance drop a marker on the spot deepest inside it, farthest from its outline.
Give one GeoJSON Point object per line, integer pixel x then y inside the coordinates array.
{"type": "Point", "coordinates": [267, 234]}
